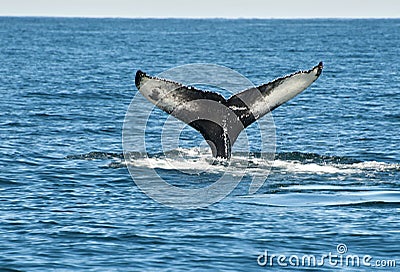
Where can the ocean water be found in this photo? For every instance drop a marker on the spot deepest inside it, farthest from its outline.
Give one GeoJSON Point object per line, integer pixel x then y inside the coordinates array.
{"type": "Point", "coordinates": [69, 203]}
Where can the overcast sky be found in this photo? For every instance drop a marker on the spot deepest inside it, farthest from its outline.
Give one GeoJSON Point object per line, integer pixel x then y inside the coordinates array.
{"type": "Point", "coordinates": [203, 8]}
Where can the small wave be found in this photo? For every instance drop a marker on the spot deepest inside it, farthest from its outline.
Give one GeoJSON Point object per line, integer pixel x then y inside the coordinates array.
{"type": "Point", "coordinates": [315, 158]}
{"type": "Point", "coordinates": [318, 199]}
{"type": "Point", "coordinates": [95, 155]}
{"type": "Point", "coordinates": [7, 182]}
{"type": "Point", "coordinates": [322, 188]}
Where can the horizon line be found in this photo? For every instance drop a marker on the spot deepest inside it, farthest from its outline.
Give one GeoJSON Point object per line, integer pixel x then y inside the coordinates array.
{"type": "Point", "coordinates": [196, 17]}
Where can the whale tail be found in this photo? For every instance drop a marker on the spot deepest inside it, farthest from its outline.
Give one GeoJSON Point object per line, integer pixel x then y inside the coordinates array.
{"type": "Point", "coordinates": [221, 120]}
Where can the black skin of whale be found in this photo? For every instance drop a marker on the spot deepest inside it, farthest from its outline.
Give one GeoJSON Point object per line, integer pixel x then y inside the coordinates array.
{"type": "Point", "coordinates": [221, 140]}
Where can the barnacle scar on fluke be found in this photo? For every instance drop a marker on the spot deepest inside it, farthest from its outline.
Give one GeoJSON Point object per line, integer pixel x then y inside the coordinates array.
{"type": "Point", "coordinates": [209, 112]}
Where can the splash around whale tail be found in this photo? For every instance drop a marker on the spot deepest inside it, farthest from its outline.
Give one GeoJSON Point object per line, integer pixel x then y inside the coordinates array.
{"type": "Point", "coordinates": [221, 120]}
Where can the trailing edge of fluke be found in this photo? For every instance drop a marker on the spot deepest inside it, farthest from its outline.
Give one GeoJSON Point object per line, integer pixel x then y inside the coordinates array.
{"type": "Point", "coordinates": [209, 112]}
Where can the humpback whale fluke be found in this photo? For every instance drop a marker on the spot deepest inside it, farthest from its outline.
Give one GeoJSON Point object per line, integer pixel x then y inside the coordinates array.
{"type": "Point", "coordinates": [210, 113]}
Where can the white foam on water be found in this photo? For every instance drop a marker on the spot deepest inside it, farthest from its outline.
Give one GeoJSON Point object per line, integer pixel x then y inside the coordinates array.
{"type": "Point", "coordinates": [174, 164]}
{"type": "Point", "coordinates": [188, 160]}
{"type": "Point", "coordinates": [300, 167]}
{"type": "Point", "coordinates": [335, 168]}
{"type": "Point", "coordinates": [196, 160]}
{"type": "Point", "coordinates": [374, 165]}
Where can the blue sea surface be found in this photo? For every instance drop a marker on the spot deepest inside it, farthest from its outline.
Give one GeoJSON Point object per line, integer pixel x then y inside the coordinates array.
{"type": "Point", "coordinates": [68, 202]}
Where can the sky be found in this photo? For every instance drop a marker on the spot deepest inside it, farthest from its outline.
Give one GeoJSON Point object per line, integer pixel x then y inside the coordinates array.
{"type": "Point", "coordinates": [203, 8]}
